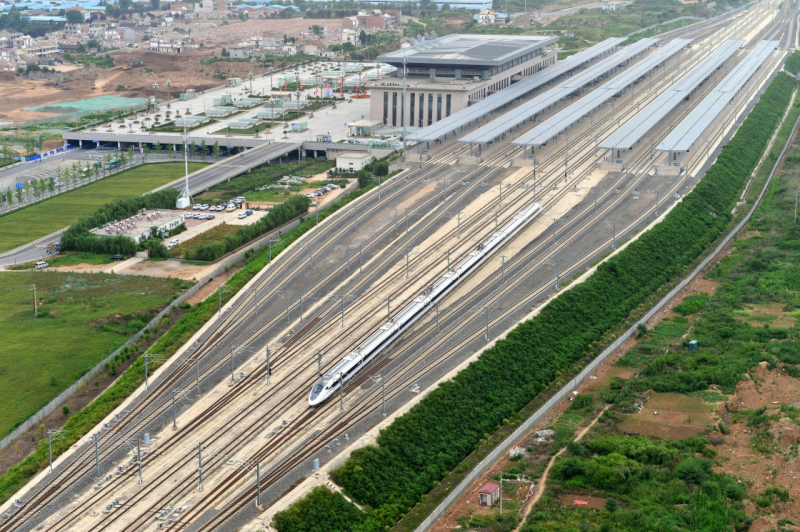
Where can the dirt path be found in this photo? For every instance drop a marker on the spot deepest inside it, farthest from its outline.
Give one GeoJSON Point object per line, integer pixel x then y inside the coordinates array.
{"type": "Point", "coordinates": [543, 480]}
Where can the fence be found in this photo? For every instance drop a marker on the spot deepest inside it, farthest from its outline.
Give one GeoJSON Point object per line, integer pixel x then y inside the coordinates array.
{"type": "Point", "coordinates": [60, 398]}
{"type": "Point", "coordinates": [227, 262]}
{"type": "Point", "coordinates": [564, 391]}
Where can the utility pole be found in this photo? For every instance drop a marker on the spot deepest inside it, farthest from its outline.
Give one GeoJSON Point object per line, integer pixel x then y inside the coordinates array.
{"type": "Point", "coordinates": [139, 458]}
{"type": "Point", "coordinates": [200, 467]}
{"type": "Point", "coordinates": [258, 484]}
{"type": "Point", "coordinates": [233, 378]}
{"type": "Point", "coordinates": [96, 456]}
{"type": "Point", "coordinates": [269, 369]}
{"type": "Point", "coordinates": [342, 296]}
{"type": "Point", "coordinates": [319, 364]}
{"type": "Point", "coordinates": [407, 250]}
{"type": "Point", "coordinates": [437, 317]}
{"type": "Point", "coordinates": [341, 391]}
{"type": "Point", "coordinates": [271, 241]}
{"type": "Point", "coordinates": [558, 272]}
{"type": "Point", "coordinates": [174, 419]}
{"type": "Point", "coordinates": [487, 323]}
{"type": "Point", "coordinates": [301, 306]}
{"type": "Point", "coordinates": [35, 306]}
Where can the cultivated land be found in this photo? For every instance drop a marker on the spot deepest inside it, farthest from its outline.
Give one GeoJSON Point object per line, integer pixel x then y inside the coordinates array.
{"type": "Point", "coordinates": [24, 225]}
{"type": "Point", "coordinates": [82, 318]}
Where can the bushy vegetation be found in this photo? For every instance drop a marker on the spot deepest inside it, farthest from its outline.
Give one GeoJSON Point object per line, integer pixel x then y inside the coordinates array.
{"type": "Point", "coordinates": [418, 449]}
{"type": "Point", "coordinates": [793, 63]}
{"type": "Point", "coordinates": [277, 216]}
{"type": "Point", "coordinates": [647, 483]}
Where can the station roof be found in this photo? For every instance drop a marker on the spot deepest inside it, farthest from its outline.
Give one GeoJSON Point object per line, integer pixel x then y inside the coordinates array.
{"type": "Point", "coordinates": [536, 105]}
{"type": "Point", "coordinates": [633, 130]}
{"type": "Point", "coordinates": [517, 90]}
{"type": "Point", "coordinates": [574, 112]}
{"type": "Point", "coordinates": [457, 49]}
{"type": "Point", "coordinates": [685, 134]}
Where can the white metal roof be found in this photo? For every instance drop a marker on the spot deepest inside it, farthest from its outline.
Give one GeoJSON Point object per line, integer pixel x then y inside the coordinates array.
{"type": "Point", "coordinates": [571, 114]}
{"type": "Point", "coordinates": [634, 129]}
{"type": "Point", "coordinates": [524, 112]}
{"type": "Point", "coordinates": [517, 90]}
{"type": "Point", "coordinates": [685, 134]}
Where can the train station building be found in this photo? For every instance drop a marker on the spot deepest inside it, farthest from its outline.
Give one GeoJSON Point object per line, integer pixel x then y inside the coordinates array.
{"type": "Point", "coordinates": [449, 74]}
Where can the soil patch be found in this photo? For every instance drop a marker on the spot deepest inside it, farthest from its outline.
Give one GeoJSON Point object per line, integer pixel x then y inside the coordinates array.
{"type": "Point", "coordinates": [670, 416]}
{"type": "Point", "coordinates": [570, 499]}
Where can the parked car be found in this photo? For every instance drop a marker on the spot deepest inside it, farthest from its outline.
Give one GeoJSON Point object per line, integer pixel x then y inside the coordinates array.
{"type": "Point", "coordinates": [41, 264]}
{"type": "Point", "coordinates": [172, 243]}
{"type": "Point", "coordinates": [248, 212]}
{"type": "Point", "coordinates": [118, 256]}
{"type": "Point", "coordinates": [313, 203]}
{"type": "Point", "coordinates": [241, 216]}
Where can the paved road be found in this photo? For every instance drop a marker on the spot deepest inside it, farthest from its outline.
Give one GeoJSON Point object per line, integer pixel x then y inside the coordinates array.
{"type": "Point", "coordinates": [198, 182]}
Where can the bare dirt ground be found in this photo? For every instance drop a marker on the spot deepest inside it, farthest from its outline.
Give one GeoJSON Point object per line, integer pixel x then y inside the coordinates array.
{"type": "Point", "coordinates": [764, 388]}
{"type": "Point", "coordinates": [574, 500]}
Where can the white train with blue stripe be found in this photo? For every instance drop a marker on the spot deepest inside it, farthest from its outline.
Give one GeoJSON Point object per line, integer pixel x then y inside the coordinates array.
{"type": "Point", "coordinates": [354, 361]}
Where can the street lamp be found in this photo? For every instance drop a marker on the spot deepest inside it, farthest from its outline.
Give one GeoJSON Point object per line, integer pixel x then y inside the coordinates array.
{"type": "Point", "coordinates": [169, 86]}
{"type": "Point", "coordinates": [155, 94]}
{"type": "Point", "coordinates": [341, 86]}
{"type": "Point", "coordinates": [250, 75]}
{"type": "Point", "coordinates": [270, 70]}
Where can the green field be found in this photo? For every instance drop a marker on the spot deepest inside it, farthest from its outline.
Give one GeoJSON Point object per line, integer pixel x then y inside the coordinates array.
{"type": "Point", "coordinates": [82, 318]}
{"type": "Point", "coordinates": [42, 218]}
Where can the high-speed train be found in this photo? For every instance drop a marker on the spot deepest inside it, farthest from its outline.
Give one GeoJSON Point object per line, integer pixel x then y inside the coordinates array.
{"type": "Point", "coordinates": [354, 361]}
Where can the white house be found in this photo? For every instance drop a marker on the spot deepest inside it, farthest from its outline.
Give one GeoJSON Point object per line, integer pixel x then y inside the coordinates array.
{"type": "Point", "coordinates": [352, 161]}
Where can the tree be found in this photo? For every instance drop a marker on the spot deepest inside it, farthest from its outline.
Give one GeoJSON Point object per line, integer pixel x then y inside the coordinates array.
{"type": "Point", "coordinates": [155, 4]}
{"type": "Point", "coordinates": [74, 16]}
{"type": "Point", "coordinates": [130, 155]}
{"type": "Point", "coordinates": [19, 195]}
{"type": "Point", "coordinates": [92, 43]}
{"type": "Point", "coordinates": [51, 185]}
{"type": "Point", "coordinates": [203, 149]}
{"type": "Point", "coordinates": [125, 5]}
{"type": "Point", "coordinates": [171, 150]}
{"type": "Point", "coordinates": [216, 150]}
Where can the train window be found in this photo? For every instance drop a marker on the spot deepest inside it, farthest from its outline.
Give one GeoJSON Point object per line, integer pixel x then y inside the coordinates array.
{"type": "Point", "coordinates": [317, 389]}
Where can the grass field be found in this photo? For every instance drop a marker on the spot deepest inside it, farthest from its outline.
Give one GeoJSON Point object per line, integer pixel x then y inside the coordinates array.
{"type": "Point", "coordinates": [82, 318]}
{"type": "Point", "coordinates": [24, 225]}
{"type": "Point", "coordinates": [215, 234]}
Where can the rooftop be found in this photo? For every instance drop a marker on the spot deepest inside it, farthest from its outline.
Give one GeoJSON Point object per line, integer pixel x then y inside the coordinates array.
{"type": "Point", "coordinates": [491, 50]}
{"type": "Point", "coordinates": [489, 487]}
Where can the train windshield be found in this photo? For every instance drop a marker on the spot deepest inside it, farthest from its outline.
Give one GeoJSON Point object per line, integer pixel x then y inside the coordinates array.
{"type": "Point", "coordinates": [317, 389]}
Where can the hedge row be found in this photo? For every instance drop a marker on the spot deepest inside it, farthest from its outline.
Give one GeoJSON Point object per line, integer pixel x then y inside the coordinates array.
{"type": "Point", "coordinates": [421, 447]}
{"type": "Point", "coordinates": [80, 238]}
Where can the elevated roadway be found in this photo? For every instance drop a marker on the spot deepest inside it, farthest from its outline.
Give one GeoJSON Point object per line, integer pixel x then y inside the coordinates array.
{"type": "Point", "coordinates": [199, 181]}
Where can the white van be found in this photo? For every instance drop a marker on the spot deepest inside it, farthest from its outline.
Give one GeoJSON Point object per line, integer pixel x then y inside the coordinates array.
{"type": "Point", "coordinates": [172, 243]}
{"type": "Point", "coordinates": [41, 264]}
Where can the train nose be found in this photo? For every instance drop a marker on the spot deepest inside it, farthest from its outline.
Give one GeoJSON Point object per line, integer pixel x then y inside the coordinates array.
{"type": "Point", "coordinates": [315, 392]}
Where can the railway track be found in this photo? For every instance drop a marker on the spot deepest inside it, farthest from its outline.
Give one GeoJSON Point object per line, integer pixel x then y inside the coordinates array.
{"type": "Point", "coordinates": [243, 314]}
